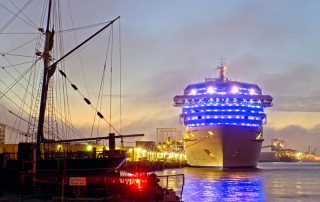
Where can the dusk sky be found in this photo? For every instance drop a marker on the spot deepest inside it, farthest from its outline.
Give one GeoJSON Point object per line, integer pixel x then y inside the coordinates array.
{"type": "Point", "coordinates": [167, 45]}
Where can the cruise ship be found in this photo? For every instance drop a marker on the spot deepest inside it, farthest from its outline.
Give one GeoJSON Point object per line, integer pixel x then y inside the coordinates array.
{"type": "Point", "coordinates": [223, 122]}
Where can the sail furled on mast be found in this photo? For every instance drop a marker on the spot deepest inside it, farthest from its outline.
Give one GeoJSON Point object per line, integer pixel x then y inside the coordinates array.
{"type": "Point", "coordinates": [52, 70]}
{"type": "Point", "coordinates": [51, 40]}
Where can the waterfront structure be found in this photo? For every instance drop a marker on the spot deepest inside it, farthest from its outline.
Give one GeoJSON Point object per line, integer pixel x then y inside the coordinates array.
{"type": "Point", "coordinates": [170, 140]}
{"type": "Point", "coordinates": [277, 144]}
{"type": "Point", "coordinates": [223, 121]}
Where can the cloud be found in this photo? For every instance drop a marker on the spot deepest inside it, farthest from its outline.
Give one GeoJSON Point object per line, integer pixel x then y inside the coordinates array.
{"type": "Point", "coordinates": [296, 104]}
{"type": "Point", "coordinates": [260, 41]}
{"type": "Point", "coordinates": [298, 79]}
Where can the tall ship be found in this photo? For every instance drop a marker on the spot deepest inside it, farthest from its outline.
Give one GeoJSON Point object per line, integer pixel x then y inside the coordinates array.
{"type": "Point", "coordinates": [43, 106]}
{"type": "Point", "coordinates": [223, 121]}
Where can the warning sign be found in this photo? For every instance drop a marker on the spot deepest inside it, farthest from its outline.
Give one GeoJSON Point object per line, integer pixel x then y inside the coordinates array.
{"type": "Point", "coordinates": [77, 181]}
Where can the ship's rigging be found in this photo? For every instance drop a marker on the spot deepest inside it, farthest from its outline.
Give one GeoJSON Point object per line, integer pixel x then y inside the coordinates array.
{"type": "Point", "coordinates": [53, 119]}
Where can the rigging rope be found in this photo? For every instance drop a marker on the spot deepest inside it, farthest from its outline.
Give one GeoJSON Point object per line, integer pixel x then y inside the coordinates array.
{"type": "Point", "coordinates": [83, 27]}
{"type": "Point", "coordinates": [21, 11]}
{"type": "Point", "coordinates": [39, 39]}
{"type": "Point", "coordinates": [9, 88]}
{"type": "Point", "coordinates": [14, 65]}
{"type": "Point", "coordinates": [88, 101]}
{"type": "Point", "coordinates": [20, 99]}
{"type": "Point", "coordinates": [16, 81]}
{"type": "Point", "coordinates": [10, 54]}
{"type": "Point", "coordinates": [60, 31]}
{"type": "Point", "coordinates": [26, 43]}
{"type": "Point", "coordinates": [69, 129]}
{"type": "Point", "coordinates": [120, 75]}
{"type": "Point", "coordinates": [99, 100]}
{"type": "Point", "coordinates": [18, 33]}
{"type": "Point", "coordinates": [16, 15]}
{"type": "Point", "coordinates": [110, 102]}
{"type": "Point", "coordinates": [76, 40]}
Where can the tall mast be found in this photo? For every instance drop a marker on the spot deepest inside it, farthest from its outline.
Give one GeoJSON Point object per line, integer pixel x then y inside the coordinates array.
{"type": "Point", "coordinates": [222, 70]}
{"type": "Point", "coordinates": [48, 73]}
{"type": "Point", "coordinates": [45, 81]}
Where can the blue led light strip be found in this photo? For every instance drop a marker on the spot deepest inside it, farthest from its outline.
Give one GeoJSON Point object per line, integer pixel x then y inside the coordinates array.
{"type": "Point", "coordinates": [242, 114]}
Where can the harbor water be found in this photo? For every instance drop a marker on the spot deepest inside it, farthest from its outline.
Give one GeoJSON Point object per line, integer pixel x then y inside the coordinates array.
{"type": "Point", "coordinates": [276, 181]}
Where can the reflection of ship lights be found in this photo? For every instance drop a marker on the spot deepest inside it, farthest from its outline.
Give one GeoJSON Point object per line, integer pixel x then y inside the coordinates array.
{"type": "Point", "coordinates": [226, 188]}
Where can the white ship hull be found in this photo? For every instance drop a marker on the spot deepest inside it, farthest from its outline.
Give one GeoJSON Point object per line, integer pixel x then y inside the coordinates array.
{"type": "Point", "coordinates": [223, 146]}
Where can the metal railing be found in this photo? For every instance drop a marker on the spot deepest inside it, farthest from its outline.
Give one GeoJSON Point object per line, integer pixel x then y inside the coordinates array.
{"type": "Point", "coordinates": [174, 182]}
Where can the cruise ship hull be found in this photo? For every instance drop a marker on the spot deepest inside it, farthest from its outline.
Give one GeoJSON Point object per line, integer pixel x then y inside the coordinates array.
{"type": "Point", "coordinates": [223, 146]}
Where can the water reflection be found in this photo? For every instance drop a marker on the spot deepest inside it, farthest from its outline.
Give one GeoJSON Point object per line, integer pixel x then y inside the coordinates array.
{"type": "Point", "coordinates": [294, 181]}
{"type": "Point", "coordinates": [270, 182]}
{"type": "Point", "coordinates": [217, 185]}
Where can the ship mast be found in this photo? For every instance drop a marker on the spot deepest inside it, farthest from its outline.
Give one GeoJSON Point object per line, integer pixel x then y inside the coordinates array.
{"type": "Point", "coordinates": [222, 70]}
{"type": "Point", "coordinates": [45, 81]}
{"type": "Point", "coordinates": [48, 73]}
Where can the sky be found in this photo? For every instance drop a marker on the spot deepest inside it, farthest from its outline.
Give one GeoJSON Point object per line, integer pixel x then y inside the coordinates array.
{"type": "Point", "coordinates": [166, 45]}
